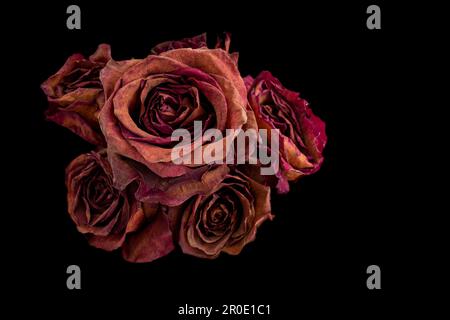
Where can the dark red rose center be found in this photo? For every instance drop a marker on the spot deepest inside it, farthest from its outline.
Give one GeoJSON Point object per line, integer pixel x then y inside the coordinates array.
{"type": "Point", "coordinates": [219, 214]}
{"type": "Point", "coordinates": [99, 194]}
{"type": "Point", "coordinates": [172, 106]}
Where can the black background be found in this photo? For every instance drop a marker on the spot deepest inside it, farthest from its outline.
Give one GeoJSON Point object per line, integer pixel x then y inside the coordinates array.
{"type": "Point", "coordinates": [354, 212]}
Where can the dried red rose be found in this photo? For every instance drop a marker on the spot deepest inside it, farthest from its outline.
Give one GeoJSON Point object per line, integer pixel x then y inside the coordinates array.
{"type": "Point", "coordinates": [224, 219]}
{"type": "Point", "coordinates": [110, 218]}
{"type": "Point", "coordinates": [160, 94]}
{"type": "Point", "coordinates": [75, 94]}
{"type": "Point", "coordinates": [302, 134]}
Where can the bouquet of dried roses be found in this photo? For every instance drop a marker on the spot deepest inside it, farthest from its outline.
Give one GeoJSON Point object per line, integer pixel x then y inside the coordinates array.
{"type": "Point", "coordinates": [132, 192]}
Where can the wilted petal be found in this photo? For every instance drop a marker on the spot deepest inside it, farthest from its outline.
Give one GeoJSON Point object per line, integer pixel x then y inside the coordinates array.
{"type": "Point", "coordinates": [102, 54]}
{"type": "Point", "coordinates": [152, 241]}
{"type": "Point", "coordinates": [112, 72]}
{"type": "Point", "coordinates": [79, 117]}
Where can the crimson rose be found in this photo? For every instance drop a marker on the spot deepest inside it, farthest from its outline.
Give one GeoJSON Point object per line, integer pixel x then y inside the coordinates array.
{"type": "Point", "coordinates": [224, 219]}
{"type": "Point", "coordinates": [302, 134]}
{"type": "Point", "coordinates": [157, 95]}
{"type": "Point", "coordinates": [111, 218]}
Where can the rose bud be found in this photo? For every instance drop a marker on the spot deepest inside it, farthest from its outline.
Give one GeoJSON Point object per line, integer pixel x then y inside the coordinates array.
{"type": "Point", "coordinates": [110, 218]}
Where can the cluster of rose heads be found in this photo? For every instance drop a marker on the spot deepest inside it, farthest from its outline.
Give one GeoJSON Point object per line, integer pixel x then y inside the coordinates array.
{"type": "Point", "coordinates": [128, 193]}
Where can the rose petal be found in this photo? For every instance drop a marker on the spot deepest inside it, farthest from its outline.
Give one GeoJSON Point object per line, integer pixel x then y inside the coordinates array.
{"type": "Point", "coordinates": [112, 72]}
{"type": "Point", "coordinates": [151, 242]}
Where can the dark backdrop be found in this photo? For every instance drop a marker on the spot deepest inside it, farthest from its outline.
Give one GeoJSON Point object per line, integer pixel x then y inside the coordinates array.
{"type": "Point", "coordinates": [314, 255]}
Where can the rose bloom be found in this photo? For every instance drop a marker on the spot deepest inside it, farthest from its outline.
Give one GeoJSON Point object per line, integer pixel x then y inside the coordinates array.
{"type": "Point", "coordinates": [224, 219]}
{"type": "Point", "coordinates": [302, 134]}
{"type": "Point", "coordinates": [148, 99]}
{"type": "Point", "coordinates": [110, 218]}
